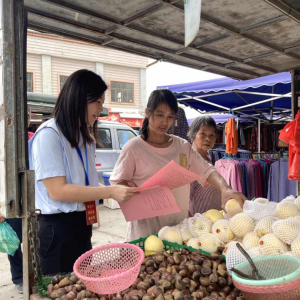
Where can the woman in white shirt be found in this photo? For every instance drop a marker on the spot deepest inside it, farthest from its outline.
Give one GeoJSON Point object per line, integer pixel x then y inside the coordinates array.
{"type": "Point", "coordinates": [62, 154]}
{"type": "Point", "coordinates": [145, 155]}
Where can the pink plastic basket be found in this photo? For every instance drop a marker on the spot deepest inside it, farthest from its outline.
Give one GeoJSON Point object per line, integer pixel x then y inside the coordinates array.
{"type": "Point", "coordinates": [287, 291]}
{"type": "Point", "coordinates": [109, 269]}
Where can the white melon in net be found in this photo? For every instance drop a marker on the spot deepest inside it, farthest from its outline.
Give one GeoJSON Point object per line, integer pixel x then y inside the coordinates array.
{"type": "Point", "coordinates": [213, 215]}
{"type": "Point", "coordinates": [286, 209]}
{"type": "Point", "coordinates": [241, 224]}
{"type": "Point", "coordinates": [233, 207]}
{"type": "Point", "coordinates": [238, 239]}
{"type": "Point", "coordinates": [264, 226]}
{"type": "Point", "coordinates": [221, 229]}
{"type": "Point", "coordinates": [270, 244]}
{"type": "Point", "coordinates": [286, 230]}
{"type": "Point", "coordinates": [178, 226]}
{"type": "Point", "coordinates": [250, 240]}
{"type": "Point", "coordinates": [290, 198]}
{"type": "Point", "coordinates": [229, 246]}
{"type": "Point", "coordinates": [199, 225]}
{"type": "Point", "coordinates": [196, 215]}
{"type": "Point", "coordinates": [254, 252]}
{"type": "Point", "coordinates": [185, 231]}
{"type": "Point", "coordinates": [208, 242]}
{"type": "Point", "coordinates": [170, 234]}
{"type": "Point", "coordinates": [194, 243]}
{"type": "Point", "coordinates": [261, 200]}
{"type": "Point", "coordinates": [226, 216]}
{"type": "Point", "coordinates": [296, 218]}
{"type": "Point", "coordinates": [258, 211]}
{"type": "Point", "coordinates": [233, 258]}
{"type": "Point", "coordinates": [296, 246]}
{"type": "Point", "coordinates": [297, 201]}
{"type": "Point", "coordinates": [160, 233]}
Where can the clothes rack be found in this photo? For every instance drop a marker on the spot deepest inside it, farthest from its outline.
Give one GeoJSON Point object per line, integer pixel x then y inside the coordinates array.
{"type": "Point", "coordinates": [270, 153]}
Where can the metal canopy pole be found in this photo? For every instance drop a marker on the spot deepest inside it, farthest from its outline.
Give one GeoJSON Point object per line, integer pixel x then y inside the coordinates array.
{"type": "Point", "coordinates": [207, 102]}
{"type": "Point", "coordinates": [17, 183]}
{"type": "Point", "coordinates": [272, 106]}
{"type": "Point", "coordinates": [263, 101]}
{"type": "Point", "coordinates": [261, 94]}
{"type": "Point", "coordinates": [258, 148]}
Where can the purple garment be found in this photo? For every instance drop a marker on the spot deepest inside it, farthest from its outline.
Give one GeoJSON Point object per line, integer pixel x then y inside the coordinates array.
{"type": "Point", "coordinates": [252, 191]}
{"type": "Point", "coordinates": [286, 187]}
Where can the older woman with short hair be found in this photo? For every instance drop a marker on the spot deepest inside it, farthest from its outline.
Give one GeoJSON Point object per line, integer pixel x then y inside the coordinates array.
{"type": "Point", "coordinates": [203, 133]}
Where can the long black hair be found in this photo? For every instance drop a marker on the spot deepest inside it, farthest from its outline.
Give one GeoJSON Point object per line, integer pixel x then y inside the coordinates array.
{"type": "Point", "coordinates": [156, 98]}
{"type": "Point", "coordinates": [82, 87]}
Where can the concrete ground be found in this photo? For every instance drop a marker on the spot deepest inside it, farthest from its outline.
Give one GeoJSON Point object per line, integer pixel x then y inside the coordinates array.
{"type": "Point", "coordinates": [112, 229]}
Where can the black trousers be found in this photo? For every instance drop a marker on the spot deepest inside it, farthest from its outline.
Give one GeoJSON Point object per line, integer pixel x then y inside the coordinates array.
{"type": "Point", "coordinates": [63, 238]}
{"type": "Point", "coordinates": [16, 261]}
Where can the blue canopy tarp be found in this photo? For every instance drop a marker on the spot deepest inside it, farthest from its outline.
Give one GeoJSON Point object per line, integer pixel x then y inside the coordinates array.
{"type": "Point", "coordinates": [228, 94]}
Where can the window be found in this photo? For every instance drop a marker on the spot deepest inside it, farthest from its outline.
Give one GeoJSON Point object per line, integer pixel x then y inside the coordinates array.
{"type": "Point", "coordinates": [62, 80]}
{"type": "Point", "coordinates": [104, 139]}
{"type": "Point", "coordinates": [124, 136]}
{"type": "Point", "coordinates": [122, 92]}
{"type": "Point", "coordinates": [30, 82]}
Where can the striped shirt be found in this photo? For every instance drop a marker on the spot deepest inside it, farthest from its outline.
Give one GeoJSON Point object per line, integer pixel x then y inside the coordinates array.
{"type": "Point", "coordinates": [203, 199]}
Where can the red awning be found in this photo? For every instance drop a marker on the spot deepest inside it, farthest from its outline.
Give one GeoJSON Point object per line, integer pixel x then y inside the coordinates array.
{"type": "Point", "coordinates": [132, 122]}
{"type": "Point", "coordinates": [115, 117]}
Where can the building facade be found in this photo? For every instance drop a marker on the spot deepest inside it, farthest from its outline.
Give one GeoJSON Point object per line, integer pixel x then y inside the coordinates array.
{"type": "Point", "coordinates": [51, 59]}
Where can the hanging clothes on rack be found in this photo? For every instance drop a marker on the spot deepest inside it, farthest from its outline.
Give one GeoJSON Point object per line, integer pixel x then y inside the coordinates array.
{"type": "Point", "coordinates": [219, 152]}
{"type": "Point", "coordinates": [242, 136]}
{"type": "Point", "coordinates": [254, 139]}
{"type": "Point", "coordinates": [229, 171]}
{"type": "Point", "coordinates": [249, 176]}
{"type": "Point", "coordinates": [280, 176]}
{"type": "Point", "coordinates": [266, 138]}
{"type": "Point", "coordinates": [231, 137]}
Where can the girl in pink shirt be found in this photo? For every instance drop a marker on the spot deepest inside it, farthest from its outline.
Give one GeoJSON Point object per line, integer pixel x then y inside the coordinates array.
{"type": "Point", "coordinates": [145, 155]}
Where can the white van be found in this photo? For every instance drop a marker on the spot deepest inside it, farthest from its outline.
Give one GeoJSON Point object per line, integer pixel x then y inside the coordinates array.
{"type": "Point", "coordinates": [112, 136]}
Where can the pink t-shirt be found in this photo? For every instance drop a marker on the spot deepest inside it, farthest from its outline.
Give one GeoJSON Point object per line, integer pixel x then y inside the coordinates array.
{"type": "Point", "coordinates": [229, 171]}
{"type": "Point", "coordinates": [139, 161]}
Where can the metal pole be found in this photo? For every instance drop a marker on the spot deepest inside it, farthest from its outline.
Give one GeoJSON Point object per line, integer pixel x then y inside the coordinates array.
{"type": "Point", "coordinates": [295, 92]}
{"type": "Point", "coordinates": [17, 183]}
{"type": "Point", "coordinates": [258, 136]}
{"type": "Point", "coordinates": [263, 101]}
{"type": "Point", "coordinates": [278, 179]}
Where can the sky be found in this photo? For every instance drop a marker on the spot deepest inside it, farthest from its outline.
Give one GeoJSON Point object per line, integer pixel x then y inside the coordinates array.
{"type": "Point", "coordinates": [163, 73]}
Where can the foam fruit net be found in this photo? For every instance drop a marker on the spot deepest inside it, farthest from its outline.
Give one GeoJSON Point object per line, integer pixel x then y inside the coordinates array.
{"type": "Point", "coordinates": [170, 234]}
{"type": "Point", "coordinates": [258, 211]}
{"type": "Point", "coordinates": [185, 230]}
{"type": "Point", "coordinates": [241, 224]}
{"type": "Point", "coordinates": [199, 225]}
{"type": "Point", "coordinates": [286, 230]}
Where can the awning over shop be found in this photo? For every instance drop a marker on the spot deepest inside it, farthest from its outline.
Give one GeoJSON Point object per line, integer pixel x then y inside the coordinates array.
{"type": "Point", "coordinates": [260, 98]}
